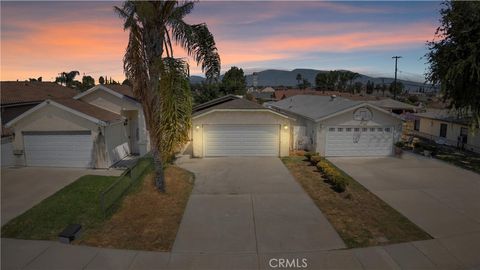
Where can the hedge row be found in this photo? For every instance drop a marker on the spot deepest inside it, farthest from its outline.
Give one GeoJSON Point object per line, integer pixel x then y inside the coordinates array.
{"type": "Point", "coordinates": [333, 176]}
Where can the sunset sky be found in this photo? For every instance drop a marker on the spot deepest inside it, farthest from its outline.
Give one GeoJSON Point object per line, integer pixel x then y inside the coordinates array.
{"type": "Point", "coordinates": [45, 38]}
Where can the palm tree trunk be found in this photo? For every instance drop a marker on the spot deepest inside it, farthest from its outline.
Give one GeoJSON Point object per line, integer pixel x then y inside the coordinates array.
{"type": "Point", "coordinates": [159, 171]}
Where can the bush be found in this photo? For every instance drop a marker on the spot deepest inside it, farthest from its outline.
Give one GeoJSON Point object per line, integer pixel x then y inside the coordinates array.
{"type": "Point", "coordinates": [315, 159]}
{"type": "Point", "coordinates": [337, 180]}
{"type": "Point", "coordinates": [400, 144]}
{"type": "Point", "coordinates": [309, 155]}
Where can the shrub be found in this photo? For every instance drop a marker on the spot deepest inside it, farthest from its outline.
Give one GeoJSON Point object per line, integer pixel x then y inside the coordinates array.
{"type": "Point", "coordinates": [309, 155]}
{"type": "Point", "coordinates": [315, 159]}
{"type": "Point", "coordinates": [400, 144]}
{"type": "Point", "coordinates": [337, 180]}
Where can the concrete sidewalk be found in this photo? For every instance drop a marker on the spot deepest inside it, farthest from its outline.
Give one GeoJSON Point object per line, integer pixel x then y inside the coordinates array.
{"type": "Point", "coordinates": [459, 252]}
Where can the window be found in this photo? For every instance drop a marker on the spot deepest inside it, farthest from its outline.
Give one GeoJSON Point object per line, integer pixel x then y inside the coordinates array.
{"type": "Point", "coordinates": [364, 129]}
{"type": "Point", "coordinates": [379, 129]}
{"type": "Point", "coordinates": [356, 129]}
{"type": "Point", "coordinates": [372, 129]}
{"type": "Point", "coordinates": [339, 129]}
{"type": "Point", "coordinates": [331, 129]}
{"type": "Point", "coordinates": [387, 129]}
{"type": "Point", "coordinates": [416, 125]}
{"type": "Point", "coordinates": [443, 130]}
{"type": "Point", "coordinates": [348, 129]}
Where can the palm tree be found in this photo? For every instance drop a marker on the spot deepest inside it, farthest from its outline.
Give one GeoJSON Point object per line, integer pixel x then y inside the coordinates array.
{"type": "Point", "coordinates": [160, 81]}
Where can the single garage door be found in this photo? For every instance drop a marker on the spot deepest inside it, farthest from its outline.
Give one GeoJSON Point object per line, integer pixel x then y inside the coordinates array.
{"type": "Point", "coordinates": [359, 141]}
{"type": "Point", "coordinates": [241, 140]}
{"type": "Point", "coordinates": [58, 149]}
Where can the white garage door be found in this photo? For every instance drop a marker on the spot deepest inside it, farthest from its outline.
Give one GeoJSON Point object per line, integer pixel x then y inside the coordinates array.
{"type": "Point", "coordinates": [58, 149]}
{"type": "Point", "coordinates": [359, 141]}
{"type": "Point", "coordinates": [241, 140]}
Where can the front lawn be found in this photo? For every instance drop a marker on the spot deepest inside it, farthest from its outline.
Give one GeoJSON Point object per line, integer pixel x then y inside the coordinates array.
{"type": "Point", "coordinates": [75, 203]}
{"type": "Point", "coordinates": [146, 219]}
{"type": "Point", "coordinates": [461, 158]}
{"type": "Point", "coordinates": [360, 218]}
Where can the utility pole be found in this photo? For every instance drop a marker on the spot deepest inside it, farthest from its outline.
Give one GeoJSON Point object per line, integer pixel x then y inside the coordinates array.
{"type": "Point", "coordinates": [395, 81]}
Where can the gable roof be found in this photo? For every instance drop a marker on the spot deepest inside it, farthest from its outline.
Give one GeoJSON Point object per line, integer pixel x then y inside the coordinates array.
{"type": "Point", "coordinates": [236, 104]}
{"type": "Point", "coordinates": [214, 102]}
{"type": "Point", "coordinates": [32, 92]}
{"type": "Point", "coordinates": [446, 115]}
{"type": "Point", "coordinates": [314, 107]}
{"type": "Point", "coordinates": [117, 90]}
{"type": "Point", "coordinates": [77, 107]}
{"type": "Point", "coordinates": [392, 104]}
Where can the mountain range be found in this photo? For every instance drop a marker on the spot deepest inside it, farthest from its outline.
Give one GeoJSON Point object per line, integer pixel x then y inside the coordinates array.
{"type": "Point", "coordinates": [275, 78]}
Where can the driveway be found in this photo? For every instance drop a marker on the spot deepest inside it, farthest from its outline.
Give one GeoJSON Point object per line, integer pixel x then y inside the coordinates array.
{"type": "Point", "coordinates": [442, 199]}
{"type": "Point", "coordinates": [250, 205]}
{"type": "Point", "coordinates": [25, 187]}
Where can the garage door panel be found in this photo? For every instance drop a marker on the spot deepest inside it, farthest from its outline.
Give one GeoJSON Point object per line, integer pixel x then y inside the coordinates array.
{"type": "Point", "coordinates": [370, 142]}
{"type": "Point", "coordinates": [58, 150]}
{"type": "Point", "coordinates": [241, 140]}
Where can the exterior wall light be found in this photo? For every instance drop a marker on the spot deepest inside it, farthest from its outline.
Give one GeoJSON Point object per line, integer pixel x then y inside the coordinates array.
{"type": "Point", "coordinates": [285, 127]}
{"type": "Point", "coordinates": [197, 127]}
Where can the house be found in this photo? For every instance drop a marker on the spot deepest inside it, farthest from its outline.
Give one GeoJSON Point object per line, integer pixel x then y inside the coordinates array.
{"type": "Point", "coordinates": [232, 126]}
{"type": "Point", "coordinates": [267, 89]}
{"type": "Point", "coordinates": [446, 127]}
{"type": "Point", "coordinates": [336, 126]}
{"type": "Point", "coordinates": [92, 129]}
{"type": "Point", "coordinates": [263, 96]}
{"type": "Point", "coordinates": [18, 97]}
{"type": "Point", "coordinates": [394, 106]}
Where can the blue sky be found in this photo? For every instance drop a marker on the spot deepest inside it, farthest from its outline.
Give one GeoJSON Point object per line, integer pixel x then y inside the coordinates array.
{"type": "Point", "coordinates": [45, 38]}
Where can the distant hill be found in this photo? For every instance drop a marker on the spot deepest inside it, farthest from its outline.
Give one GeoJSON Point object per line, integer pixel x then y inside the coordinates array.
{"type": "Point", "coordinates": [275, 78]}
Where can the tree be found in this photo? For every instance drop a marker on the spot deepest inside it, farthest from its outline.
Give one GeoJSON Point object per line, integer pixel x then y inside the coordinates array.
{"type": "Point", "coordinates": [204, 92]}
{"type": "Point", "coordinates": [321, 81]}
{"type": "Point", "coordinates": [299, 78]}
{"type": "Point", "coordinates": [455, 56]}
{"type": "Point", "coordinates": [358, 86]}
{"type": "Point", "coordinates": [233, 82]}
{"type": "Point", "coordinates": [399, 88]}
{"type": "Point", "coordinates": [87, 82]}
{"type": "Point", "coordinates": [127, 82]}
{"type": "Point", "coordinates": [369, 87]}
{"type": "Point", "coordinates": [160, 81]}
{"type": "Point", "coordinates": [39, 79]}
{"type": "Point", "coordinates": [101, 80]}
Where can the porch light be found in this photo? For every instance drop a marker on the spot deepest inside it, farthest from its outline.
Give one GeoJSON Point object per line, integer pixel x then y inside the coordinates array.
{"type": "Point", "coordinates": [197, 127]}
{"type": "Point", "coordinates": [285, 127]}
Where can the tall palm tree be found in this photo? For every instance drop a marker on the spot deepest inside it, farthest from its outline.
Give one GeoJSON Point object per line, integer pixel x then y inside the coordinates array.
{"type": "Point", "coordinates": [159, 80]}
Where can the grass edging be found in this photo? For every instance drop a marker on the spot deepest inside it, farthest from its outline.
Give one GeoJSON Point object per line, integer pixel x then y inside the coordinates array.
{"type": "Point", "coordinates": [359, 216]}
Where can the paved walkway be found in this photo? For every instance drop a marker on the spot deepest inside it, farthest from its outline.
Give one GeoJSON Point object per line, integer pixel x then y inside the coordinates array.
{"type": "Point", "coordinates": [458, 252]}
{"type": "Point", "coordinates": [442, 199]}
{"type": "Point", "coordinates": [24, 187]}
{"type": "Point", "coordinates": [250, 205]}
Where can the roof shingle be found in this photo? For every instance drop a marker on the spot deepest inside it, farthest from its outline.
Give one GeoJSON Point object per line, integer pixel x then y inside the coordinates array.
{"type": "Point", "coordinates": [27, 92]}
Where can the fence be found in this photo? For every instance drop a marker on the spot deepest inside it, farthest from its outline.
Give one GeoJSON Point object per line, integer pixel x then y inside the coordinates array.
{"type": "Point", "coordinates": [113, 193]}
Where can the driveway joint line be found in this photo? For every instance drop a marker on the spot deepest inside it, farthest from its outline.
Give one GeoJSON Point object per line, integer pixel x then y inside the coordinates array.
{"type": "Point", "coordinates": [38, 255]}
{"type": "Point", "coordinates": [255, 230]}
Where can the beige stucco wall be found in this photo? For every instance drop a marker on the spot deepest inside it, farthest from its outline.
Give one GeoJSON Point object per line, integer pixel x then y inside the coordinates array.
{"type": "Point", "coordinates": [117, 142]}
{"type": "Point", "coordinates": [379, 118]}
{"type": "Point", "coordinates": [49, 118]}
{"type": "Point", "coordinates": [238, 118]}
{"type": "Point", "coordinates": [431, 127]}
{"type": "Point", "coordinates": [109, 102]}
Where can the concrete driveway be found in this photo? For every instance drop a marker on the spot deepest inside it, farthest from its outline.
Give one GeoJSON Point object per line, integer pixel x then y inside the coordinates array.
{"type": "Point", "coordinates": [250, 205]}
{"type": "Point", "coordinates": [442, 199]}
{"type": "Point", "coordinates": [25, 187]}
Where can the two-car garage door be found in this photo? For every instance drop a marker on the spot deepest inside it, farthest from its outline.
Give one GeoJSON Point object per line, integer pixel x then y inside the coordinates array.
{"type": "Point", "coordinates": [359, 141]}
{"type": "Point", "coordinates": [241, 140]}
{"type": "Point", "coordinates": [58, 149]}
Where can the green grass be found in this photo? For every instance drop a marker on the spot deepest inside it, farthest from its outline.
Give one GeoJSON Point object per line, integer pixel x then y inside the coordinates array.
{"type": "Point", "coordinates": [75, 203]}
{"type": "Point", "coordinates": [359, 216]}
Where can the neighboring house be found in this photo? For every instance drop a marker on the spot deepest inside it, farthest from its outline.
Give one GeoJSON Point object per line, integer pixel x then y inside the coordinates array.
{"type": "Point", "coordinates": [394, 106]}
{"type": "Point", "coordinates": [93, 129]}
{"type": "Point", "coordinates": [263, 96]}
{"type": "Point", "coordinates": [336, 126]}
{"type": "Point", "coordinates": [267, 89]}
{"type": "Point", "coordinates": [232, 126]}
{"type": "Point", "coordinates": [446, 127]}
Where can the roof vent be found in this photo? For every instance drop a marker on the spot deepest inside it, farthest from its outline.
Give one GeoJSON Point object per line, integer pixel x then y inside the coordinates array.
{"type": "Point", "coordinates": [333, 97]}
